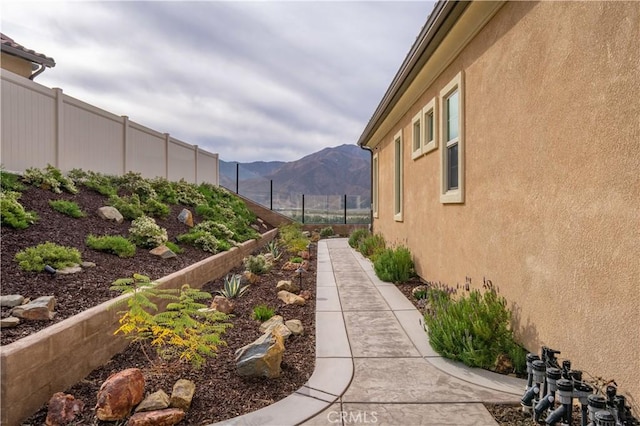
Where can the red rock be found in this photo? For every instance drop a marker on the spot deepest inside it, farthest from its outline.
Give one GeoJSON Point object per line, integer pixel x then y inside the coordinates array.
{"type": "Point", "coordinates": [305, 294]}
{"type": "Point", "coordinates": [168, 417]}
{"type": "Point", "coordinates": [222, 304]}
{"type": "Point", "coordinates": [62, 409]}
{"type": "Point", "coordinates": [119, 394]}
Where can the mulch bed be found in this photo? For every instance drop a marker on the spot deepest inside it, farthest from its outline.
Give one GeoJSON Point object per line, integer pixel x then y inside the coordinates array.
{"type": "Point", "coordinates": [220, 392]}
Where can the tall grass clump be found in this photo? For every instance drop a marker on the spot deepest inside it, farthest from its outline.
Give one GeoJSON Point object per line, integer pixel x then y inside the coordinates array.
{"type": "Point", "coordinates": [474, 329]}
{"type": "Point", "coordinates": [357, 236]}
{"type": "Point", "coordinates": [394, 265]}
{"type": "Point", "coordinates": [371, 246]}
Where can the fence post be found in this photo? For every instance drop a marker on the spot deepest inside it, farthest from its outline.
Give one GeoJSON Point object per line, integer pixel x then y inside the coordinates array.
{"type": "Point", "coordinates": [195, 167]}
{"type": "Point", "coordinates": [166, 156]}
{"type": "Point", "coordinates": [237, 176]}
{"type": "Point", "coordinates": [271, 195]}
{"type": "Point", "coordinates": [125, 142]}
{"type": "Point", "coordinates": [59, 130]}
{"type": "Point", "coordinates": [345, 209]}
{"type": "Point", "coordinates": [303, 209]}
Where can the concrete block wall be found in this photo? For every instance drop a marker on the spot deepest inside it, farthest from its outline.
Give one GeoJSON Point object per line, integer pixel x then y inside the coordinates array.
{"type": "Point", "coordinates": [32, 369]}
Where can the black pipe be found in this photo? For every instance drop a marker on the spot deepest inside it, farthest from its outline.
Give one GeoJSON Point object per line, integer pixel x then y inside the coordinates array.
{"type": "Point", "coordinates": [271, 195]}
{"type": "Point", "coordinates": [345, 209]}
{"type": "Point", "coordinates": [303, 209]}
{"type": "Point", "coordinates": [237, 177]}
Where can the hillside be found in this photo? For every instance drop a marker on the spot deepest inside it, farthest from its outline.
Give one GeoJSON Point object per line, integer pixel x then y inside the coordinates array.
{"type": "Point", "coordinates": [337, 170]}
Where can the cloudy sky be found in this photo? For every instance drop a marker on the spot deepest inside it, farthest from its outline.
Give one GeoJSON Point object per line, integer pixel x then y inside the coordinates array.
{"type": "Point", "coordinates": [260, 80]}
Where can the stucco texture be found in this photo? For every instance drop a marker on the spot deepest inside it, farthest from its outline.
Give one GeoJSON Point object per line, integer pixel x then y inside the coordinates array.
{"type": "Point", "coordinates": [552, 198]}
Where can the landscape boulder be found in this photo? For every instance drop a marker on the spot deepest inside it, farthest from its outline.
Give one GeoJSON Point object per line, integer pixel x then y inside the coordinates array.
{"type": "Point", "coordinates": [119, 394]}
{"type": "Point", "coordinates": [110, 213]}
{"type": "Point", "coordinates": [11, 300]}
{"type": "Point", "coordinates": [269, 324]}
{"type": "Point", "coordinates": [158, 400]}
{"type": "Point", "coordinates": [288, 285]}
{"type": "Point", "coordinates": [261, 358]}
{"type": "Point", "coordinates": [295, 325]}
{"type": "Point", "coordinates": [186, 217]}
{"type": "Point", "coordinates": [162, 252]}
{"type": "Point", "coordinates": [167, 417]}
{"type": "Point", "coordinates": [290, 298]}
{"type": "Point", "coordinates": [249, 277]}
{"type": "Point", "coordinates": [182, 394]}
{"type": "Point", "coordinates": [37, 310]}
{"type": "Point", "coordinates": [62, 409]}
{"type": "Point", "coordinates": [74, 269]}
{"type": "Point", "coordinates": [222, 304]}
{"type": "Point", "coordinates": [305, 294]}
{"type": "Point", "coordinates": [9, 322]}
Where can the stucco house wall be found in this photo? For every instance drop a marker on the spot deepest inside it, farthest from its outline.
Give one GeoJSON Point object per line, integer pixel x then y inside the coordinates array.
{"type": "Point", "coordinates": [551, 211]}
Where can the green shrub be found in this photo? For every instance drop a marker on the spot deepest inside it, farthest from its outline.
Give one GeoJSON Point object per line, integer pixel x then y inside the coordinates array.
{"type": "Point", "coordinates": [164, 190]}
{"type": "Point", "coordinates": [262, 312]}
{"type": "Point", "coordinates": [114, 244]}
{"type": "Point", "coordinates": [232, 287]}
{"type": "Point", "coordinates": [394, 265]}
{"type": "Point", "coordinates": [200, 239]}
{"type": "Point", "coordinates": [144, 232]}
{"type": "Point", "coordinates": [10, 181]}
{"type": "Point", "coordinates": [371, 246]}
{"type": "Point", "coordinates": [50, 178]}
{"type": "Point", "coordinates": [70, 208]}
{"type": "Point", "coordinates": [102, 184]}
{"type": "Point", "coordinates": [35, 258]}
{"type": "Point", "coordinates": [357, 236]}
{"type": "Point", "coordinates": [183, 331]}
{"type": "Point", "coordinates": [174, 247]}
{"type": "Point", "coordinates": [155, 208]}
{"type": "Point", "coordinates": [12, 213]}
{"type": "Point", "coordinates": [187, 193]}
{"type": "Point", "coordinates": [292, 238]}
{"type": "Point", "coordinates": [295, 260]}
{"type": "Point", "coordinates": [129, 206]}
{"type": "Point", "coordinates": [257, 264]}
{"type": "Point", "coordinates": [326, 232]}
{"type": "Point", "coordinates": [209, 236]}
{"type": "Point", "coordinates": [474, 329]}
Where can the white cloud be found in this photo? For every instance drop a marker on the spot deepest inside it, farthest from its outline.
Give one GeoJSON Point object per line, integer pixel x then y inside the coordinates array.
{"type": "Point", "coordinates": [249, 80]}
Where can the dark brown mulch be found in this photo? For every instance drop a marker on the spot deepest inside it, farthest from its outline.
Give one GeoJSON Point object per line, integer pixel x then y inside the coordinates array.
{"type": "Point", "coordinates": [221, 393]}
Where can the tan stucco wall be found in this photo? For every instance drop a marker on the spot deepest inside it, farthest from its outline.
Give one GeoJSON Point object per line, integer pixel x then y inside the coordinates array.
{"type": "Point", "coordinates": [552, 174]}
{"type": "Point", "coordinates": [15, 65]}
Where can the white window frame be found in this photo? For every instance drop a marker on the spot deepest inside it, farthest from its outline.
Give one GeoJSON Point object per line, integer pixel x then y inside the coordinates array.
{"type": "Point", "coordinates": [375, 184]}
{"type": "Point", "coordinates": [452, 195]}
{"type": "Point", "coordinates": [417, 135]}
{"type": "Point", "coordinates": [398, 166]}
{"type": "Point", "coordinates": [430, 109]}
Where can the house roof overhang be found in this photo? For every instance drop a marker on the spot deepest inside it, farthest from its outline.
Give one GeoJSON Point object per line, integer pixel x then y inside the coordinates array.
{"type": "Point", "coordinates": [449, 27]}
{"type": "Point", "coordinates": [9, 46]}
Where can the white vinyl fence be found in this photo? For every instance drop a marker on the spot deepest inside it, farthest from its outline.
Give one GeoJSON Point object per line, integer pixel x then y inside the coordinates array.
{"type": "Point", "coordinates": [43, 126]}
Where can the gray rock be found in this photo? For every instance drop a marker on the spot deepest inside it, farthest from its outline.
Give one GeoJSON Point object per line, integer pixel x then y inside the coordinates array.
{"type": "Point", "coordinates": [156, 401]}
{"type": "Point", "coordinates": [110, 213]}
{"type": "Point", "coordinates": [11, 300]}
{"type": "Point", "coordinates": [295, 326]}
{"type": "Point", "coordinates": [9, 322]}
{"type": "Point", "coordinates": [182, 394]}
{"type": "Point", "coordinates": [270, 323]}
{"type": "Point", "coordinates": [261, 358]}
{"type": "Point", "coordinates": [88, 265]}
{"type": "Point", "coordinates": [163, 252]}
{"type": "Point", "coordinates": [70, 270]}
{"type": "Point", "coordinates": [186, 217]}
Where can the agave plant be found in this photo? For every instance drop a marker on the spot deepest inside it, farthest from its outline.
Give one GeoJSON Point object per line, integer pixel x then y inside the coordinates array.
{"type": "Point", "coordinates": [274, 250]}
{"type": "Point", "coordinates": [232, 287]}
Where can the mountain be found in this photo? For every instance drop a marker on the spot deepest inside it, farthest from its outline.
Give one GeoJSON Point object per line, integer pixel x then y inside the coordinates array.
{"type": "Point", "coordinates": [338, 170]}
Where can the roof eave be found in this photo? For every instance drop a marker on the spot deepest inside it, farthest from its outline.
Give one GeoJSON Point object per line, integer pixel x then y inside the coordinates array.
{"type": "Point", "coordinates": [43, 60]}
{"type": "Point", "coordinates": [444, 15]}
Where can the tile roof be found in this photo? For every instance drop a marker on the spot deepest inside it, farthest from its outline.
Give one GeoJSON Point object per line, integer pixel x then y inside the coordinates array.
{"type": "Point", "coordinates": [9, 46]}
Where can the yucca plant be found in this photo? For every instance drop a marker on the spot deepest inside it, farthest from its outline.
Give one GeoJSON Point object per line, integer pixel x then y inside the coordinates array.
{"type": "Point", "coordinates": [233, 287]}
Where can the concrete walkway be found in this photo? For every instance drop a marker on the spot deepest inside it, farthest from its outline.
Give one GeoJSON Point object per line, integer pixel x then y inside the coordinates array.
{"type": "Point", "coordinates": [374, 364]}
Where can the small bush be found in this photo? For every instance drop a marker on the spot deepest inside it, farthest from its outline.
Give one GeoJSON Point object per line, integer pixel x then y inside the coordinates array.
{"type": "Point", "coordinates": [474, 329]}
{"type": "Point", "coordinates": [135, 184]}
{"type": "Point", "coordinates": [153, 207]}
{"type": "Point", "coordinates": [164, 190]}
{"type": "Point", "coordinates": [129, 207]}
{"type": "Point", "coordinates": [257, 264]}
{"type": "Point", "coordinates": [10, 181]}
{"type": "Point", "coordinates": [394, 265]}
{"type": "Point", "coordinates": [174, 247]}
{"type": "Point", "coordinates": [70, 208]}
{"type": "Point", "coordinates": [188, 194]}
{"type": "Point", "coordinates": [200, 239]}
{"type": "Point", "coordinates": [371, 246]}
{"type": "Point", "coordinates": [144, 232]}
{"type": "Point", "coordinates": [12, 213]}
{"type": "Point", "coordinates": [292, 238]}
{"type": "Point", "coordinates": [97, 182]}
{"type": "Point", "coordinates": [357, 236]}
{"type": "Point", "coordinates": [232, 287]}
{"type": "Point", "coordinates": [114, 244]}
{"type": "Point", "coordinates": [326, 232]}
{"type": "Point", "coordinates": [295, 260]}
{"type": "Point", "coordinates": [50, 178]}
{"type": "Point", "coordinates": [262, 313]}
{"type": "Point", "coordinates": [35, 258]}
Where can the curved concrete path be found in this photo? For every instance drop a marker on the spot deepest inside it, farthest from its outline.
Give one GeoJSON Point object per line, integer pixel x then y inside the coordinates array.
{"type": "Point", "coordinates": [374, 364]}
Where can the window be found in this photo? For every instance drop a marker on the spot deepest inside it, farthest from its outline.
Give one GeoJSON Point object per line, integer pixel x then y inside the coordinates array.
{"type": "Point", "coordinates": [417, 136]}
{"type": "Point", "coordinates": [397, 176]}
{"type": "Point", "coordinates": [451, 132]}
{"type": "Point", "coordinates": [430, 118]}
{"type": "Point", "coordinates": [374, 187]}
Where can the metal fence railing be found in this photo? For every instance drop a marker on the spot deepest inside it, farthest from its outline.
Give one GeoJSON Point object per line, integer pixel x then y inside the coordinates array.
{"type": "Point", "coordinates": [304, 208]}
